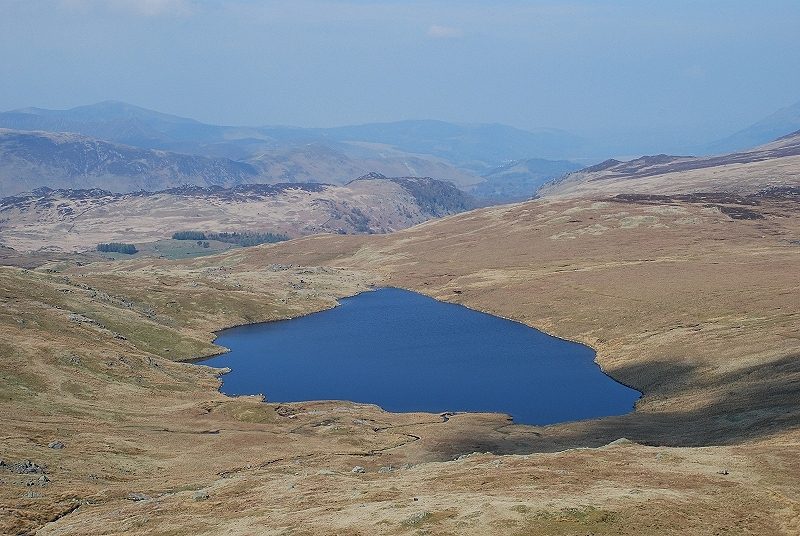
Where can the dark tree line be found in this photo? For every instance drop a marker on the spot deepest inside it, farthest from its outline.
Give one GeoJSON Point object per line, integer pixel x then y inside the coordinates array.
{"type": "Point", "coordinates": [189, 235]}
{"type": "Point", "coordinates": [245, 238]}
{"type": "Point", "coordinates": [117, 247]}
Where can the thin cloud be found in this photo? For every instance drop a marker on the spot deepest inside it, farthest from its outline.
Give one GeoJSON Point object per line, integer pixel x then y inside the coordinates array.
{"type": "Point", "coordinates": [444, 32]}
{"type": "Point", "coordinates": [146, 8]}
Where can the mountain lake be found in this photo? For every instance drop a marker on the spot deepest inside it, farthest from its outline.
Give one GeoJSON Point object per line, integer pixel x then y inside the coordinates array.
{"type": "Point", "coordinates": [406, 352]}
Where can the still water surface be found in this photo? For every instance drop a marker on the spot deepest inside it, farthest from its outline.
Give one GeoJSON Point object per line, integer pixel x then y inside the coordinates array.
{"type": "Point", "coordinates": [407, 352]}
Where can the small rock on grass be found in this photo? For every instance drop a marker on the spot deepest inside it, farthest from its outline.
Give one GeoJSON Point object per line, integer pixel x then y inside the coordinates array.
{"type": "Point", "coordinates": [26, 467]}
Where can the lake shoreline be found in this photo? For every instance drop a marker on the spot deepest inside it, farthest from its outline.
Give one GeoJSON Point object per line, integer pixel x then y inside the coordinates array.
{"type": "Point", "coordinates": [275, 397]}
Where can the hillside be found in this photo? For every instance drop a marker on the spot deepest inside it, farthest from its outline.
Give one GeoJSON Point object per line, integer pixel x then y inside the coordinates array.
{"type": "Point", "coordinates": [319, 162]}
{"type": "Point", "coordinates": [776, 125]}
{"type": "Point", "coordinates": [478, 147]}
{"type": "Point", "coordinates": [35, 159]}
{"type": "Point", "coordinates": [30, 160]}
{"type": "Point", "coordinates": [692, 307]}
{"type": "Point", "coordinates": [776, 164]}
{"type": "Point", "coordinates": [127, 124]}
{"type": "Point", "coordinates": [456, 152]}
{"type": "Point", "coordinates": [468, 146]}
{"type": "Point", "coordinates": [520, 179]}
{"type": "Point", "coordinates": [78, 220]}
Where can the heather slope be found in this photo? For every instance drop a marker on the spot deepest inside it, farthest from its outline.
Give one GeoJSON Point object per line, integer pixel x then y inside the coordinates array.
{"type": "Point", "coordinates": [776, 164]}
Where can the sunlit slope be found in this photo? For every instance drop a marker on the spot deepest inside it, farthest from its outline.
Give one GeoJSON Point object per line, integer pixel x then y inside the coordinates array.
{"type": "Point", "coordinates": [776, 164]}
{"type": "Point", "coordinates": [692, 306]}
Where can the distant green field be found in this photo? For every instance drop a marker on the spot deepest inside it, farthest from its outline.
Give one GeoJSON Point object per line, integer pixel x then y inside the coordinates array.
{"type": "Point", "coordinates": [174, 249]}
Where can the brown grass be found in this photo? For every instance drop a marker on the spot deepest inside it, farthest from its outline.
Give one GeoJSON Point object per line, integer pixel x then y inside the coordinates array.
{"type": "Point", "coordinates": [695, 309]}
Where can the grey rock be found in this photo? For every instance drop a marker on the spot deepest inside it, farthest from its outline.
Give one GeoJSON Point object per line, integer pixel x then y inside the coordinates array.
{"type": "Point", "coordinates": [358, 469]}
{"type": "Point", "coordinates": [200, 495]}
{"type": "Point", "coordinates": [137, 497]}
{"type": "Point", "coordinates": [26, 467]}
{"type": "Point", "coordinates": [56, 445]}
{"type": "Point", "coordinates": [417, 519]}
{"type": "Point", "coordinates": [621, 442]}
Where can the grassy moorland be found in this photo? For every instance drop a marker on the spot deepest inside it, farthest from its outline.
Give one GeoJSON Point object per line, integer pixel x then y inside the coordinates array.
{"type": "Point", "coordinates": [693, 307]}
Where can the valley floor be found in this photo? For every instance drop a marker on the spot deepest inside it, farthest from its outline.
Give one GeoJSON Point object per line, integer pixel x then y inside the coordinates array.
{"type": "Point", "coordinates": [697, 309]}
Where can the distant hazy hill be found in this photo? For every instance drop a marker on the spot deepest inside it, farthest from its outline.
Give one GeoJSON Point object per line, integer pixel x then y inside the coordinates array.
{"type": "Point", "coordinates": [320, 162]}
{"type": "Point", "coordinates": [30, 160]}
{"type": "Point", "coordinates": [781, 123]}
{"type": "Point", "coordinates": [234, 155]}
{"type": "Point", "coordinates": [117, 122]}
{"type": "Point", "coordinates": [776, 164]}
{"type": "Point", "coordinates": [476, 148]}
{"type": "Point", "coordinates": [70, 220]}
{"type": "Point", "coordinates": [521, 179]}
{"type": "Point", "coordinates": [33, 159]}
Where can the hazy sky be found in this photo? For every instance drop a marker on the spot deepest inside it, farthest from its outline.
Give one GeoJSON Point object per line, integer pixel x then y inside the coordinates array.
{"type": "Point", "coordinates": [660, 70]}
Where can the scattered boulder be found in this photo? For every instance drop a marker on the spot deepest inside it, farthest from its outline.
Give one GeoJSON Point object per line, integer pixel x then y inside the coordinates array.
{"type": "Point", "coordinates": [417, 519]}
{"type": "Point", "coordinates": [136, 497]}
{"type": "Point", "coordinates": [200, 495]}
{"type": "Point", "coordinates": [358, 469]}
{"type": "Point", "coordinates": [25, 467]}
{"type": "Point", "coordinates": [81, 319]}
{"type": "Point", "coordinates": [56, 445]}
{"type": "Point", "coordinates": [621, 442]}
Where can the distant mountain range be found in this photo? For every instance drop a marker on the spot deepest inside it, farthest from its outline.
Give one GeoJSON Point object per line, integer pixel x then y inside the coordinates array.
{"type": "Point", "coordinates": [122, 148]}
{"type": "Point", "coordinates": [478, 148]}
{"type": "Point", "coordinates": [31, 160]}
{"type": "Point", "coordinates": [779, 124]}
{"type": "Point", "coordinates": [119, 122]}
{"type": "Point", "coordinates": [481, 146]}
{"type": "Point", "coordinates": [268, 154]}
